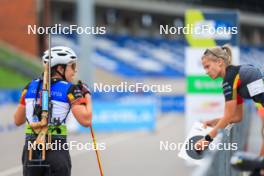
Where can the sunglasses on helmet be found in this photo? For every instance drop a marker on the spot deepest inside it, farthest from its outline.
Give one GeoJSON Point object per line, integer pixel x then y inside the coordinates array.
{"type": "Point", "coordinates": [208, 51]}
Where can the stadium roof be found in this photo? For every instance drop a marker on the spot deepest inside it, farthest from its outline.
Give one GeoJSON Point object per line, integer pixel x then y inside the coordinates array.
{"type": "Point", "coordinates": [175, 8]}
{"type": "Point", "coordinates": [172, 8]}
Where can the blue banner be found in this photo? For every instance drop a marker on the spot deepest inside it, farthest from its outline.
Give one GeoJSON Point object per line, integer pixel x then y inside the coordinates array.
{"type": "Point", "coordinates": [9, 96]}
{"type": "Point", "coordinates": [117, 116]}
{"type": "Point", "coordinates": [172, 103]}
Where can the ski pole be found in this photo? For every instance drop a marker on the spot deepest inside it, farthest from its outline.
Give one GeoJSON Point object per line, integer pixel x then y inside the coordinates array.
{"type": "Point", "coordinates": [97, 152]}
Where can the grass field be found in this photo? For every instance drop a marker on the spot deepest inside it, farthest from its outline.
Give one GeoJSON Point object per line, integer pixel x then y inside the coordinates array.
{"type": "Point", "coordinates": [11, 79]}
{"type": "Point", "coordinates": [9, 55]}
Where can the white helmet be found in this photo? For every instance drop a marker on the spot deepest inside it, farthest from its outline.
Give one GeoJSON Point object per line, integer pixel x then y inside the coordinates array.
{"type": "Point", "coordinates": [59, 55]}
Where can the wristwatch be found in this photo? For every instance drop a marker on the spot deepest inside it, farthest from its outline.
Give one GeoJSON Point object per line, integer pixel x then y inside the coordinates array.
{"type": "Point", "coordinates": [208, 138]}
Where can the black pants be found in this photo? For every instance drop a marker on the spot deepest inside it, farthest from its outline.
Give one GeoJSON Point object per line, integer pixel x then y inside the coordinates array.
{"type": "Point", "coordinates": [57, 163]}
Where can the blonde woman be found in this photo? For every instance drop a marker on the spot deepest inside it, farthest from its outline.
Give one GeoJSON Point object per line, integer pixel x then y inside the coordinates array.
{"type": "Point", "coordinates": [239, 82]}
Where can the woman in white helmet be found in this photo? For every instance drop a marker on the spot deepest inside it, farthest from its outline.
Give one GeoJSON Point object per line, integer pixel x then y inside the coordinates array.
{"type": "Point", "coordinates": [65, 96]}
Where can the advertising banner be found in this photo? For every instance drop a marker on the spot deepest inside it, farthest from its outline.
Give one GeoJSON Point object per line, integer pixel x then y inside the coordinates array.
{"type": "Point", "coordinates": [204, 98]}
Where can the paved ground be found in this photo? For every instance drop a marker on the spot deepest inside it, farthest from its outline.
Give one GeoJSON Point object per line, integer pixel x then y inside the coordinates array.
{"type": "Point", "coordinates": [126, 154]}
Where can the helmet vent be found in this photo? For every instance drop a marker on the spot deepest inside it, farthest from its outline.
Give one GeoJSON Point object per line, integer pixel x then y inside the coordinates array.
{"type": "Point", "coordinates": [62, 54]}
{"type": "Point", "coordinates": [56, 50]}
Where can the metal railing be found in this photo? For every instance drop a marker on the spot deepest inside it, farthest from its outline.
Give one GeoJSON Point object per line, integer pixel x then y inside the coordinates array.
{"type": "Point", "coordinates": [217, 163]}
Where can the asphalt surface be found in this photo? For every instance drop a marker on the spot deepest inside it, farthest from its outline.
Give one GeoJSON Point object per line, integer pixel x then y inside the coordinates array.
{"type": "Point", "coordinates": [126, 154]}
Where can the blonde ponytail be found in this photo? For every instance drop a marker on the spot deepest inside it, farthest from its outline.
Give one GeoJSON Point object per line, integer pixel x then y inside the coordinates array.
{"type": "Point", "coordinates": [224, 52]}
{"type": "Point", "coordinates": [228, 51]}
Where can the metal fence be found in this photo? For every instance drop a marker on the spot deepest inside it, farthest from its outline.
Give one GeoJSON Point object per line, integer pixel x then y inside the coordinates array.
{"type": "Point", "coordinates": [217, 163]}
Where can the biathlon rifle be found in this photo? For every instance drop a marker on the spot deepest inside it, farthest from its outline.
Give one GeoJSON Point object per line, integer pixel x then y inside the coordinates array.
{"type": "Point", "coordinates": [41, 127]}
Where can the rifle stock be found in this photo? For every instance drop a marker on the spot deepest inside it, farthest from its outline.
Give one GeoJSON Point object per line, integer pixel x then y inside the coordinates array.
{"type": "Point", "coordinates": [41, 128]}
